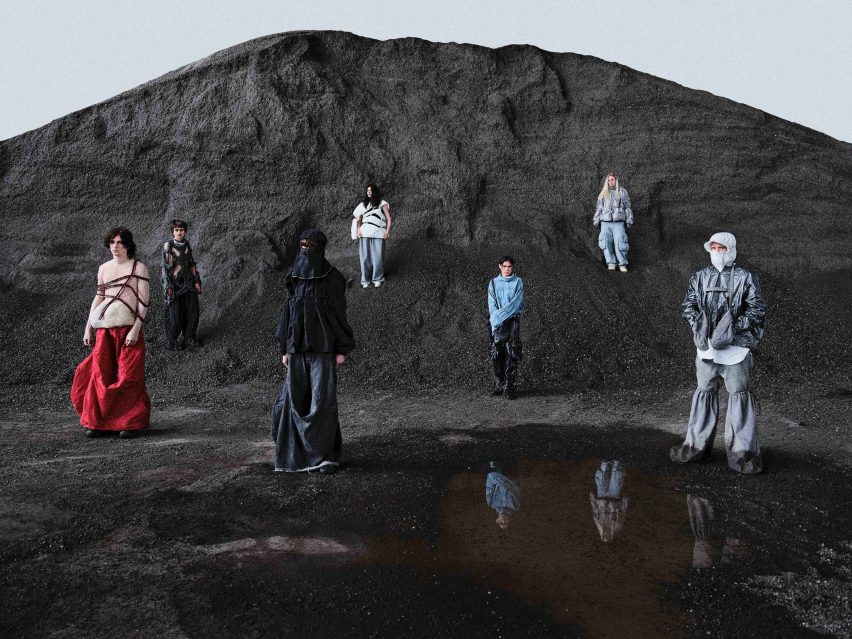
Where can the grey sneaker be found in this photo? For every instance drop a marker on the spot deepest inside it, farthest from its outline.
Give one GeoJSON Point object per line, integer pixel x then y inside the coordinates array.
{"type": "Point", "coordinates": [377, 284]}
{"type": "Point", "coordinates": [623, 268]}
{"type": "Point", "coordinates": [610, 267]}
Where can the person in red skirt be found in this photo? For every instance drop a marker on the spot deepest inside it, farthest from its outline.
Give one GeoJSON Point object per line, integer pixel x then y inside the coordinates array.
{"type": "Point", "coordinates": [109, 391]}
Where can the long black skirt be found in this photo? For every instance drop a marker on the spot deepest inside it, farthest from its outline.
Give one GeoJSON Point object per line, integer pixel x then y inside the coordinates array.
{"type": "Point", "coordinates": [305, 427]}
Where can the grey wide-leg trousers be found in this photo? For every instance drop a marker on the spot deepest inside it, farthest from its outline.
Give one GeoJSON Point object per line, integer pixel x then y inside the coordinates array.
{"type": "Point", "coordinates": [371, 251]}
{"type": "Point", "coordinates": [741, 443]}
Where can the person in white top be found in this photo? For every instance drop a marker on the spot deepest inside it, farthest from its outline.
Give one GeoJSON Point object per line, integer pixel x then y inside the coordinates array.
{"type": "Point", "coordinates": [373, 224]}
{"type": "Point", "coordinates": [725, 308]}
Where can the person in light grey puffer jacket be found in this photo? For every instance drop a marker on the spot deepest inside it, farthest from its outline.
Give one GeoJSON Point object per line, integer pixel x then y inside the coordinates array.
{"type": "Point", "coordinates": [725, 308]}
{"type": "Point", "coordinates": [612, 213]}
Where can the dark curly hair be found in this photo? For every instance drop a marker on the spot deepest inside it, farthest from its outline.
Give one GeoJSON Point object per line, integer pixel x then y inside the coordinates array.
{"type": "Point", "coordinates": [126, 239]}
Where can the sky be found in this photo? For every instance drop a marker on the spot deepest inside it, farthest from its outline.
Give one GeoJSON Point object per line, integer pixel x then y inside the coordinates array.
{"type": "Point", "coordinates": [791, 58]}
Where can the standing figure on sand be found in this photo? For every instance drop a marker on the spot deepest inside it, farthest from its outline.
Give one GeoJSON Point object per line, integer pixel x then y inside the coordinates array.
{"type": "Point", "coordinates": [371, 227]}
{"type": "Point", "coordinates": [505, 305]}
{"type": "Point", "coordinates": [315, 338]}
{"type": "Point", "coordinates": [181, 288]}
{"type": "Point", "coordinates": [614, 216]}
{"type": "Point", "coordinates": [725, 308]}
{"type": "Point", "coordinates": [109, 391]}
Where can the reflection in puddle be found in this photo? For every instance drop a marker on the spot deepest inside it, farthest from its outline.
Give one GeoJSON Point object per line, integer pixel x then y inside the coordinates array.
{"type": "Point", "coordinates": [502, 494]}
{"type": "Point", "coordinates": [549, 553]}
{"type": "Point", "coordinates": [705, 551]}
{"type": "Point", "coordinates": [609, 507]}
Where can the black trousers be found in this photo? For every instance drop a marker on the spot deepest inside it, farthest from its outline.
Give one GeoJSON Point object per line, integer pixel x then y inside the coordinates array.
{"type": "Point", "coordinates": [506, 352]}
{"type": "Point", "coordinates": [181, 316]}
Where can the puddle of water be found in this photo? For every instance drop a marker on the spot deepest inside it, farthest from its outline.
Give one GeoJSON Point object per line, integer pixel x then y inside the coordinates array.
{"type": "Point", "coordinates": [593, 543]}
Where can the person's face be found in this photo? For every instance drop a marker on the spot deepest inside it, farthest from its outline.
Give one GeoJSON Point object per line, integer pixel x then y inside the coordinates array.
{"type": "Point", "coordinates": [503, 520]}
{"type": "Point", "coordinates": [117, 248]}
{"type": "Point", "coordinates": [369, 191]}
{"type": "Point", "coordinates": [506, 269]}
{"type": "Point", "coordinates": [610, 181]}
{"type": "Point", "coordinates": [715, 247]}
{"type": "Point", "coordinates": [179, 232]}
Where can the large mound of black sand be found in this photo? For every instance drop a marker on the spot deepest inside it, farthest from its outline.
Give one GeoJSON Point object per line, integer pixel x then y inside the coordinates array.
{"type": "Point", "coordinates": [480, 151]}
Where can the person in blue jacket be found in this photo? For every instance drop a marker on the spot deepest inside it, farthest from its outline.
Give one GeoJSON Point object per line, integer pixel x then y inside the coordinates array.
{"type": "Point", "coordinates": [505, 305]}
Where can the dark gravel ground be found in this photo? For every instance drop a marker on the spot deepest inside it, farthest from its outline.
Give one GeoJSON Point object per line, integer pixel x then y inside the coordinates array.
{"type": "Point", "coordinates": [185, 532]}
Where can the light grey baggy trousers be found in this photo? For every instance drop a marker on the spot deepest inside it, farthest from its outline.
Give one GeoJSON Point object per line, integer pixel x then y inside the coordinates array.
{"type": "Point", "coordinates": [741, 443]}
{"type": "Point", "coordinates": [371, 250]}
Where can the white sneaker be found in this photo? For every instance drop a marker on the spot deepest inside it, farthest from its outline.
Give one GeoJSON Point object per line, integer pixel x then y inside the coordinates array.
{"type": "Point", "coordinates": [611, 267]}
{"type": "Point", "coordinates": [377, 284]}
{"type": "Point", "coordinates": [365, 285]}
{"type": "Point", "coordinates": [623, 268]}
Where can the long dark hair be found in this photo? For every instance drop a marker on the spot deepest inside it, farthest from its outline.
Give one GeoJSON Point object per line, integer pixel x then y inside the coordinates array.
{"type": "Point", "coordinates": [126, 239]}
{"type": "Point", "coordinates": [377, 196]}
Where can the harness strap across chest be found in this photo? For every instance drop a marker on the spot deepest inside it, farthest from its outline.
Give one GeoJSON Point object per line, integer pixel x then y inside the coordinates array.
{"type": "Point", "coordinates": [123, 283]}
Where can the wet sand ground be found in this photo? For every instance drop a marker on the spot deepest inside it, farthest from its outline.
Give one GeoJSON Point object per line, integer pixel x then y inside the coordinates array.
{"type": "Point", "coordinates": [186, 532]}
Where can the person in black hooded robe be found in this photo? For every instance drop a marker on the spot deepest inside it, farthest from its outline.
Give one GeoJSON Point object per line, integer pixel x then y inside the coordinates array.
{"type": "Point", "coordinates": [315, 339]}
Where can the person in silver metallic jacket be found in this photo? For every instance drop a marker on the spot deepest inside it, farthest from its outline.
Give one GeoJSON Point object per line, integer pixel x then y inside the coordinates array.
{"type": "Point", "coordinates": [725, 308]}
{"type": "Point", "coordinates": [614, 215]}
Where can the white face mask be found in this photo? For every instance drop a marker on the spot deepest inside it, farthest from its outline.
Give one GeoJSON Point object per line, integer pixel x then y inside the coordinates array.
{"type": "Point", "coordinates": [720, 260]}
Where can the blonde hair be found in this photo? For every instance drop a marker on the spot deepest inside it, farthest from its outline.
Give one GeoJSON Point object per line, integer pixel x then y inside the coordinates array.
{"type": "Point", "coordinates": [605, 190]}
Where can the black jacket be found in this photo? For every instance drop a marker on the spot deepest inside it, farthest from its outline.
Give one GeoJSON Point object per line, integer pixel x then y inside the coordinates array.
{"type": "Point", "coordinates": [314, 315]}
{"type": "Point", "coordinates": [703, 309]}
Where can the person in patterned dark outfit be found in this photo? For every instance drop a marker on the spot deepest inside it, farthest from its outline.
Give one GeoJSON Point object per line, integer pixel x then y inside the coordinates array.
{"type": "Point", "coordinates": [181, 288]}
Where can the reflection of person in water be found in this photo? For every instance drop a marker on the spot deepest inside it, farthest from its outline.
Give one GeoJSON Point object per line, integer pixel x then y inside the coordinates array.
{"type": "Point", "coordinates": [609, 507]}
{"type": "Point", "coordinates": [701, 523]}
{"type": "Point", "coordinates": [502, 494]}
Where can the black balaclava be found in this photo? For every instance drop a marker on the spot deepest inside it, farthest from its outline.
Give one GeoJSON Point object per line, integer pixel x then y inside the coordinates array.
{"type": "Point", "coordinates": [310, 261]}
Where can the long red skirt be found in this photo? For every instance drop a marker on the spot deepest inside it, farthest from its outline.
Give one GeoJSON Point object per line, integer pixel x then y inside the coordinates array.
{"type": "Point", "coordinates": [109, 385]}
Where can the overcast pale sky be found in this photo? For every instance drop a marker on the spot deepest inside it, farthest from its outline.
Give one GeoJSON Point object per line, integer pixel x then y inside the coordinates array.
{"type": "Point", "coordinates": [790, 58]}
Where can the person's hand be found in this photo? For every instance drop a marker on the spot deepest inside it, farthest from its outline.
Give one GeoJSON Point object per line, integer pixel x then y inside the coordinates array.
{"type": "Point", "coordinates": [88, 337]}
{"type": "Point", "coordinates": [385, 235]}
{"type": "Point", "coordinates": [132, 337]}
{"type": "Point", "coordinates": [359, 232]}
{"type": "Point", "coordinates": [338, 360]}
{"type": "Point", "coordinates": [285, 359]}
{"type": "Point", "coordinates": [198, 288]}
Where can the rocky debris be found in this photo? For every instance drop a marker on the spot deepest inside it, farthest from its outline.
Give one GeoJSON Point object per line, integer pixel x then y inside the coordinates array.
{"type": "Point", "coordinates": [480, 152]}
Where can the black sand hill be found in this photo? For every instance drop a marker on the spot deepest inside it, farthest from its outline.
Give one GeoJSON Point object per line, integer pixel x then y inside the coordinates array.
{"type": "Point", "coordinates": [480, 152]}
